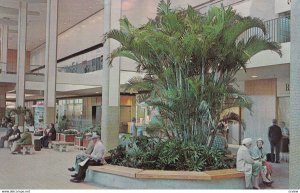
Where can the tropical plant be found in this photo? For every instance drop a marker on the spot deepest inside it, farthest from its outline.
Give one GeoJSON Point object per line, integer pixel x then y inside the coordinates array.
{"type": "Point", "coordinates": [21, 114]}
{"type": "Point", "coordinates": [155, 153]}
{"type": "Point", "coordinates": [63, 124]}
{"type": "Point", "coordinates": [190, 61]}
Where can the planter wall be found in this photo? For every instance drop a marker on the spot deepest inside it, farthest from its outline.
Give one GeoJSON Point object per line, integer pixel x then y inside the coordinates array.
{"type": "Point", "coordinates": [57, 137]}
{"type": "Point", "coordinates": [67, 137]}
{"type": "Point", "coordinates": [78, 141]}
{"type": "Point", "coordinates": [85, 142]}
{"type": "Point", "coordinates": [132, 178]}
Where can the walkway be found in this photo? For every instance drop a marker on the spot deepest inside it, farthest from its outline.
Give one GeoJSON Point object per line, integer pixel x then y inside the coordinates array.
{"type": "Point", "coordinates": [45, 169]}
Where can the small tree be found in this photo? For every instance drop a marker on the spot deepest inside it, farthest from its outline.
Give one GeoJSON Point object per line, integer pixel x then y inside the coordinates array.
{"type": "Point", "coordinates": [190, 61]}
{"type": "Point", "coordinates": [21, 115]}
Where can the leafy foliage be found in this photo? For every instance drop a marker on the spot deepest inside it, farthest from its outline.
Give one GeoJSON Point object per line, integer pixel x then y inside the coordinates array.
{"type": "Point", "coordinates": [154, 153]}
{"type": "Point", "coordinates": [190, 61]}
{"type": "Point", "coordinates": [63, 124]}
{"type": "Point", "coordinates": [21, 111]}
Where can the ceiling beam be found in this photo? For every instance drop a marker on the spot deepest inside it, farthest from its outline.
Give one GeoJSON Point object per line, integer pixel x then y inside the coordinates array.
{"type": "Point", "coordinates": [7, 21]}
{"type": "Point", "coordinates": [15, 11]}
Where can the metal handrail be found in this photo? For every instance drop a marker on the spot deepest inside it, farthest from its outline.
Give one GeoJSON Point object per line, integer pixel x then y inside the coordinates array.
{"type": "Point", "coordinates": [278, 30]}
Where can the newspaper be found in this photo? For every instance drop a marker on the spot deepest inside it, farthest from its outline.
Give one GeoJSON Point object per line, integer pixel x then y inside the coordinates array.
{"type": "Point", "coordinates": [84, 162]}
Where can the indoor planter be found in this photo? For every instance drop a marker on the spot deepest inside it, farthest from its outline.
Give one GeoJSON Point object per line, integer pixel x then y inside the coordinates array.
{"type": "Point", "coordinates": [68, 135]}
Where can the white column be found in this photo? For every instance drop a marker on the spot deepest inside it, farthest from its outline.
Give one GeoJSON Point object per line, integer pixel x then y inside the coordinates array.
{"type": "Point", "coordinates": [22, 28]}
{"type": "Point", "coordinates": [294, 169]}
{"type": "Point", "coordinates": [111, 81]}
{"type": "Point", "coordinates": [50, 62]}
{"type": "Point", "coordinates": [4, 45]}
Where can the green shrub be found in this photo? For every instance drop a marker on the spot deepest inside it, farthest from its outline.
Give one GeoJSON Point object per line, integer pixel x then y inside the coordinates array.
{"type": "Point", "coordinates": [154, 153]}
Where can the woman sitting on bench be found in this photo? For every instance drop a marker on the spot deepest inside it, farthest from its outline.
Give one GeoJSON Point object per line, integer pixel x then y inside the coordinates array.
{"type": "Point", "coordinates": [26, 139]}
{"type": "Point", "coordinates": [49, 136]}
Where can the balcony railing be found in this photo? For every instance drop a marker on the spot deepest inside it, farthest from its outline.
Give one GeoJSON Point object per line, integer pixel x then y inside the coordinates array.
{"type": "Point", "coordinates": [84, 67]}
{"type": "Point", "coordinates": [278, 30]}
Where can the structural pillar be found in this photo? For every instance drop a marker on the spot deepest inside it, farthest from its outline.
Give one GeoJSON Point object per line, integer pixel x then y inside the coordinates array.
{"type": "Point", "coordinates": [2, 102]}
{"type": "Point", "coordinates": [110, 123]}
{"type": "Point", "coordinates": [4, 45]}
{"type": "Point", "coordinates": [50, 62]}
{"type": "Point", "coordinates": [22, 28]}
{"type": "Point", "coordinates": [294, 169]}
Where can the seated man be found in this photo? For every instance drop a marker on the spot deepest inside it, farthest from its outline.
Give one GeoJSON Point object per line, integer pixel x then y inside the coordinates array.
{"type": "Point", "coordinates": [81, 157]}
{"type": "Point", "coordinates": [26, 139]}
{"type": "Point", "coordinates": [95, 159]}
{"type": "Point", "coordinates": [49, 136]}
{"type": "Point", "coordinates": [8, 133]}
{"type": "Point", "coordinates": [16, 135]}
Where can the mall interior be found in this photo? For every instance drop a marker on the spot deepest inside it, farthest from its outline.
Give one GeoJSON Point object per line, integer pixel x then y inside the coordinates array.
{"type": "Point", "coordinates": [53, 61]}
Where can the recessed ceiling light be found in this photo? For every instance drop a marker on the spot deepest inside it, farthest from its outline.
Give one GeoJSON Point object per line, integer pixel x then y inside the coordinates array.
{"type": "Point", "coordinates": [254, 76]}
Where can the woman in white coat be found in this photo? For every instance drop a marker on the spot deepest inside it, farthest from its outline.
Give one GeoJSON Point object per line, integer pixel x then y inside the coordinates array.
{"type": "Point", "coordinates": [245, 163]}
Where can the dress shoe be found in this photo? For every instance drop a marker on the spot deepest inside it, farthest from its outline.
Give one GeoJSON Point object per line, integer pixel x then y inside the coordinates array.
{"type": "Point", "coordinates": [268, 183]}
{"type": "Point", "coordinates": [71, 169]}
{"type": "Point", "coordinates": [278, 162]}
{"type": "Point", "coordinates": [75, 180]}
{"type": "Point", "coordinates": [74, 175]}
{"type": "Point", "coordinates": [256, 188]}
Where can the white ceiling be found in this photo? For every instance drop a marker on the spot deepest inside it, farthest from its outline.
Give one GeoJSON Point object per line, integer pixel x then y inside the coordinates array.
{"type": "Point", "coordinates": [70, 12]}
{"type": "Point", "coordinates": [280, 71]}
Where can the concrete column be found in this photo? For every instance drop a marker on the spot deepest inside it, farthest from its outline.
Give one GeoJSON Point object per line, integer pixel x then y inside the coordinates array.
{"type": "Point", "coordinates": [133, 107]}
{"type": "Point", "coordinates": [50, 62]}
{"type": "Point", "coordinates": [4, 45]}
{"type": "Point", "coordinates": [22, 28]}
{"type": "Point", "coordinates": [2, 102]}
{"type": "Point", "coordinates": [294, 169]}
{"type": "Point", "coordinates": [110, 122]}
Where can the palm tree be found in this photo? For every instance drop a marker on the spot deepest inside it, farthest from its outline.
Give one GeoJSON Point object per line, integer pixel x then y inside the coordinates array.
{"type": "Point", "coordinates": [190, 61]}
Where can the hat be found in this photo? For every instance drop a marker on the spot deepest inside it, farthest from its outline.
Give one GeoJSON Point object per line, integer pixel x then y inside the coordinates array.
{"type": "Point", "coordinates": [260, 139]}
{"type": "Point", "coordinates": [95, 136]}
{"type": "Point", "coordinates": [247, 141]}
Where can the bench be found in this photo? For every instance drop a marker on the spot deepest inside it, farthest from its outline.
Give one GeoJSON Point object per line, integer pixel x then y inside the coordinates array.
{"type": "Point", "coordinates": [134, 178]}
{"type": "Point", "coordinates": [26, 148]}
{"type": "Point", "coordinates": [61, 145]}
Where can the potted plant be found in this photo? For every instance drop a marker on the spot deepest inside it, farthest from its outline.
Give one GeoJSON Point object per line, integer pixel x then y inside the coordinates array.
{"type": "Point", "coordinates": [68, 135]}
{"type": "Point", "coordinates": [63, 124]}
{"type": "Point", "coordinates": [21, 115]}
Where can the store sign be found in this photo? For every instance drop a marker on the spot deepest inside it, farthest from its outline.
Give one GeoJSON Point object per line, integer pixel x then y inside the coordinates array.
{"type": "Point", "coordinates": [287, 87]}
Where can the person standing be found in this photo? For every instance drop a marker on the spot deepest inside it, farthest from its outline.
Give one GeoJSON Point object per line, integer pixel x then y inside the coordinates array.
{"type": "Point", "coordinates": [285, 141]}
{"type": "Point", "coordinates": [133, 128]}
{"type": "Point", "coordinates": [275, 136]}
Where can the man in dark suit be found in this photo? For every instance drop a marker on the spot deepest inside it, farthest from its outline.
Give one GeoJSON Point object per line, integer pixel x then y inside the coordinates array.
{"type": "Point", "coordinates": [275, 136]}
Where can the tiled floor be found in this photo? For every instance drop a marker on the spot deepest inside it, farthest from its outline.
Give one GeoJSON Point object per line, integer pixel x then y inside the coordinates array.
{"type": "Point", "coordinates": [45, 169]}
{"type": "Point", "coordinates": [280, 176]}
